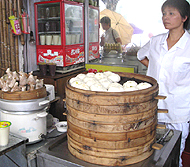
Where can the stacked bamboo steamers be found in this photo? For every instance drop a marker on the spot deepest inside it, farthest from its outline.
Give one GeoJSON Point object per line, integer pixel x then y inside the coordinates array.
{"type": "Point", "coordinates": [112, 128]}
{"type": "Point", "coordinates": [25, 109]}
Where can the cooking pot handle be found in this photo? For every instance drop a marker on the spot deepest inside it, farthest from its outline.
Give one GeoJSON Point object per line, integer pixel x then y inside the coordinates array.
{"type": "Point", "coordinates": [41, 115]}
{"type": "Point", "coordinates": [43, 102]}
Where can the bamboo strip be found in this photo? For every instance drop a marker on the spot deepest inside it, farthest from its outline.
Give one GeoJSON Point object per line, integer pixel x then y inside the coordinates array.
{"type": "Point", "coordinates": [16, 39]}
{"type": "Point", "coordinates": [7, 12]}
{"type": "Point", "coordinates": [7, 36]}
{"type": "Point", "coordinates": [19, 14]}
{"type": "Point", "coordinates": [109, 161]}
{"type": "Point", "coordinates": [112, 136]}
{"type": "Point", "coordinates": [12, 55]}
{"type": "Point", "coordinates": [1, 37]}
{"type": "Point", "coordinates": [110, 152]}
{"type": "Point", "coordinates": [5, 33]}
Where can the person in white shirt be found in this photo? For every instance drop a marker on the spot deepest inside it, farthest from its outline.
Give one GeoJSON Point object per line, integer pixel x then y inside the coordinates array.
{"type": "Point", "coordinates": [167, 57]}
{"type": "Point", "coordinates": [111, 35]}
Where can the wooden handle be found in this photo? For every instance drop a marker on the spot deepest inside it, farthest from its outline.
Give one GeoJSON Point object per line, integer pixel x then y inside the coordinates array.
{"type": "Point", "coordinates": [159, 97]}
{"type": "Point", "coordinates": [157, 146]}
{"type": "Point", "coordinates": [64, 100]}
{"type": "Point", "coordinates": [162, 111]}
{"type": "Point", "coordinates": [57, 98]}
{"type": "Point", "coordinates": [64, 113]}
{"type": "Point", "coordinates": [160, 126]}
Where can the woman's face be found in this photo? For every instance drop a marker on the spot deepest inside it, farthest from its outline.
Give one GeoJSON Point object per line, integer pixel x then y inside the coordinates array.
{"type": "Point", "coordinates": [172, 19]}
{"type": "Point", "coordinates": [105, 26]}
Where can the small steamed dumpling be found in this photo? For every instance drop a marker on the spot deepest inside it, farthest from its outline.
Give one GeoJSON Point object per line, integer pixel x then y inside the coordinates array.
{"type": "Point", "coordinates": [91, 82]}
{"type": "Point", "coordinates": [107, 73]}
{"type": "Point", "coordinates": [129, 84]}
{"type": "Point", "coordinates": [99, 75]}
{"type": "Point", "coordinates": [83, 86]}
{"type": "Point", "coordinates": [98, 87]}
{"type": "Point", "coordinates": [86, 79]}
{"type": "Point", "coordinates": [74, 79]}
{"type": "Point", "coordinates": [90, 74]}
{"type": "Point", "coordinates": [115, 87]}
{"type": "Point", "coordinates": [128, 89]}
{"type": "Point", "coordinates": [77, 83]}
{"type": "Point", "coordinates": [81, 76]}
{"type": "Point", "coordinates": [115, 84]}
{"type": "Point", "coordinates": [143, 85]}
{"type": "Point", "coordinates": [105, 83]}
{"type": "Point", "coordinates": [114, 77]}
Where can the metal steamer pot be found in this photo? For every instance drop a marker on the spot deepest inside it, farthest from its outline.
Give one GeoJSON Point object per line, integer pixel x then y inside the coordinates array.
{"type": "Point", "coordinates": [28, 117]}
{"type": "Point", "coordinates": [23, 105]}
{"type": "Point", "coordinates": [31, 125]}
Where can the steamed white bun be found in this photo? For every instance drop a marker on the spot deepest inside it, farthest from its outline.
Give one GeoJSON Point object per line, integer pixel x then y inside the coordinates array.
{"type": "Point", "coordinates": [107, 73]}
{"type": "Point", "coordinates": [90, 74]}
{"type": "Point", "coordinates": [114, 77]}
{"type": "Point", "coordinates": [83, 86]}
{"type": "Point", "coordinates": [128, 89]}
{"type": "Point", "coordinates": [77, 83]}
{"type": "Point", "coordinates": [91, 82]}
{"type": "Point", "coordinates": [115, 84]}
{"type": "Point", "coordinates": [99, 75]}
{"type": "Point", "coordinates": [98, 87]}
{"type": "Point", "coordinates": [129, 84]}
{"type": "Point", "coordinates": [105, 82]}
{"type": "Point", "coordinates": [143, 85]}
{"type": "Point", "coordinates": [74, 79]}
{"type": "Point", "coordinates": [86, 79]}
{"type": "Point", "coordinates": [115, 87]}
{"type": "Point", "coordinates": [81, 76]}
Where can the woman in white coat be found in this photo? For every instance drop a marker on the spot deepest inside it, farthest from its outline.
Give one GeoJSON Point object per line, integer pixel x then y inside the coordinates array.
{"type": "Point", "coordinates": [167, 57]}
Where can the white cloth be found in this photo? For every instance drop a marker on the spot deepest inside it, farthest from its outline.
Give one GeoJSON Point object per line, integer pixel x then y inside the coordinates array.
{"type": "Point", "coordinates": [109, 36]}
{"type": "Point", "coordinates": [184, 127]}
{"type": "Point", "coordinates": [171, 69]}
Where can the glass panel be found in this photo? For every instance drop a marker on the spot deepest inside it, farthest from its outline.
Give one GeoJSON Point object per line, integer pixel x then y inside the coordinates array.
{"type": "Point", "coordinates": [144, 16]}
{"type": "Point", "coordinates": [49, 24]}
{"type": "Point", "coordinates": [93, 25]}
{"type": "Point", "coordinates": [73, 24]}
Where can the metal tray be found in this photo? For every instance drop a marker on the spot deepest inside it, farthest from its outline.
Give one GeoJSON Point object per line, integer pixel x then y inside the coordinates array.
{"type": "Point", "coordinates": [56, 153]}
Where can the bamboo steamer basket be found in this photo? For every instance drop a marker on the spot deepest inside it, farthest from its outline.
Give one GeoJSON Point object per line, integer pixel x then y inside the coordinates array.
{"type": "Point", "coordinates": [112, 128]}
{"type": "Point", "coordinates": [24, 95]}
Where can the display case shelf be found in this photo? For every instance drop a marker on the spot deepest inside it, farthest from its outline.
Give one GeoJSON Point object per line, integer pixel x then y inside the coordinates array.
{"type": "Point", "coordinates": [49, 19]}
{"type": "Point", "coordinates": [50, 32]}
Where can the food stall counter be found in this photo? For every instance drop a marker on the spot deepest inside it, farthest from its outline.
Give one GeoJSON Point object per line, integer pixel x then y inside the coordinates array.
{"type": "Point", "coordinates": [56, 153]}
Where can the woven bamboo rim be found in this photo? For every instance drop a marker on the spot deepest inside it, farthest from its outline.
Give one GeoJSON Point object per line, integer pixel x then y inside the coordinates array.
{"type": "Point", "coordinates": [24, 95]}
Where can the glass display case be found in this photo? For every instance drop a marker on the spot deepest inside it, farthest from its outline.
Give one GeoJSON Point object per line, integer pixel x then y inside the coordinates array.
{"type": "Point", "coordinates": [73, 24]}
{"type": "Point", "coordinates": [49, 24]}
{"type": "Point", "coordinates": [59, 32]}
{"type": "Point", "coordinates": [93, 33]}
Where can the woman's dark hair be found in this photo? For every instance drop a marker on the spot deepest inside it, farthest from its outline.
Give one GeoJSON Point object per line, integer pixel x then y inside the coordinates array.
{"type": "Point", "coordinates": [182, 6]}
{"type": "Point", "coordinates": [105, 20]}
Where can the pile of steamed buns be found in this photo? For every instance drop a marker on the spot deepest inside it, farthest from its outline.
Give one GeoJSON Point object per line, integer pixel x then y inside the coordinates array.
{"type": "Point", "coordinates": [106, 82]}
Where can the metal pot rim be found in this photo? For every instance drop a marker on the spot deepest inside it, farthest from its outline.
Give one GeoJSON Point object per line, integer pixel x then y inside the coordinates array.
{"type": "Point", "coordinates": [21, 112]}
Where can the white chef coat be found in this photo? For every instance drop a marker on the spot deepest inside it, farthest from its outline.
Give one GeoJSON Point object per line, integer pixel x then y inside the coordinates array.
{"type": "Point", "coordinates": [109, 36]}
{"type": "Point", "coordinates": [171, 69]}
